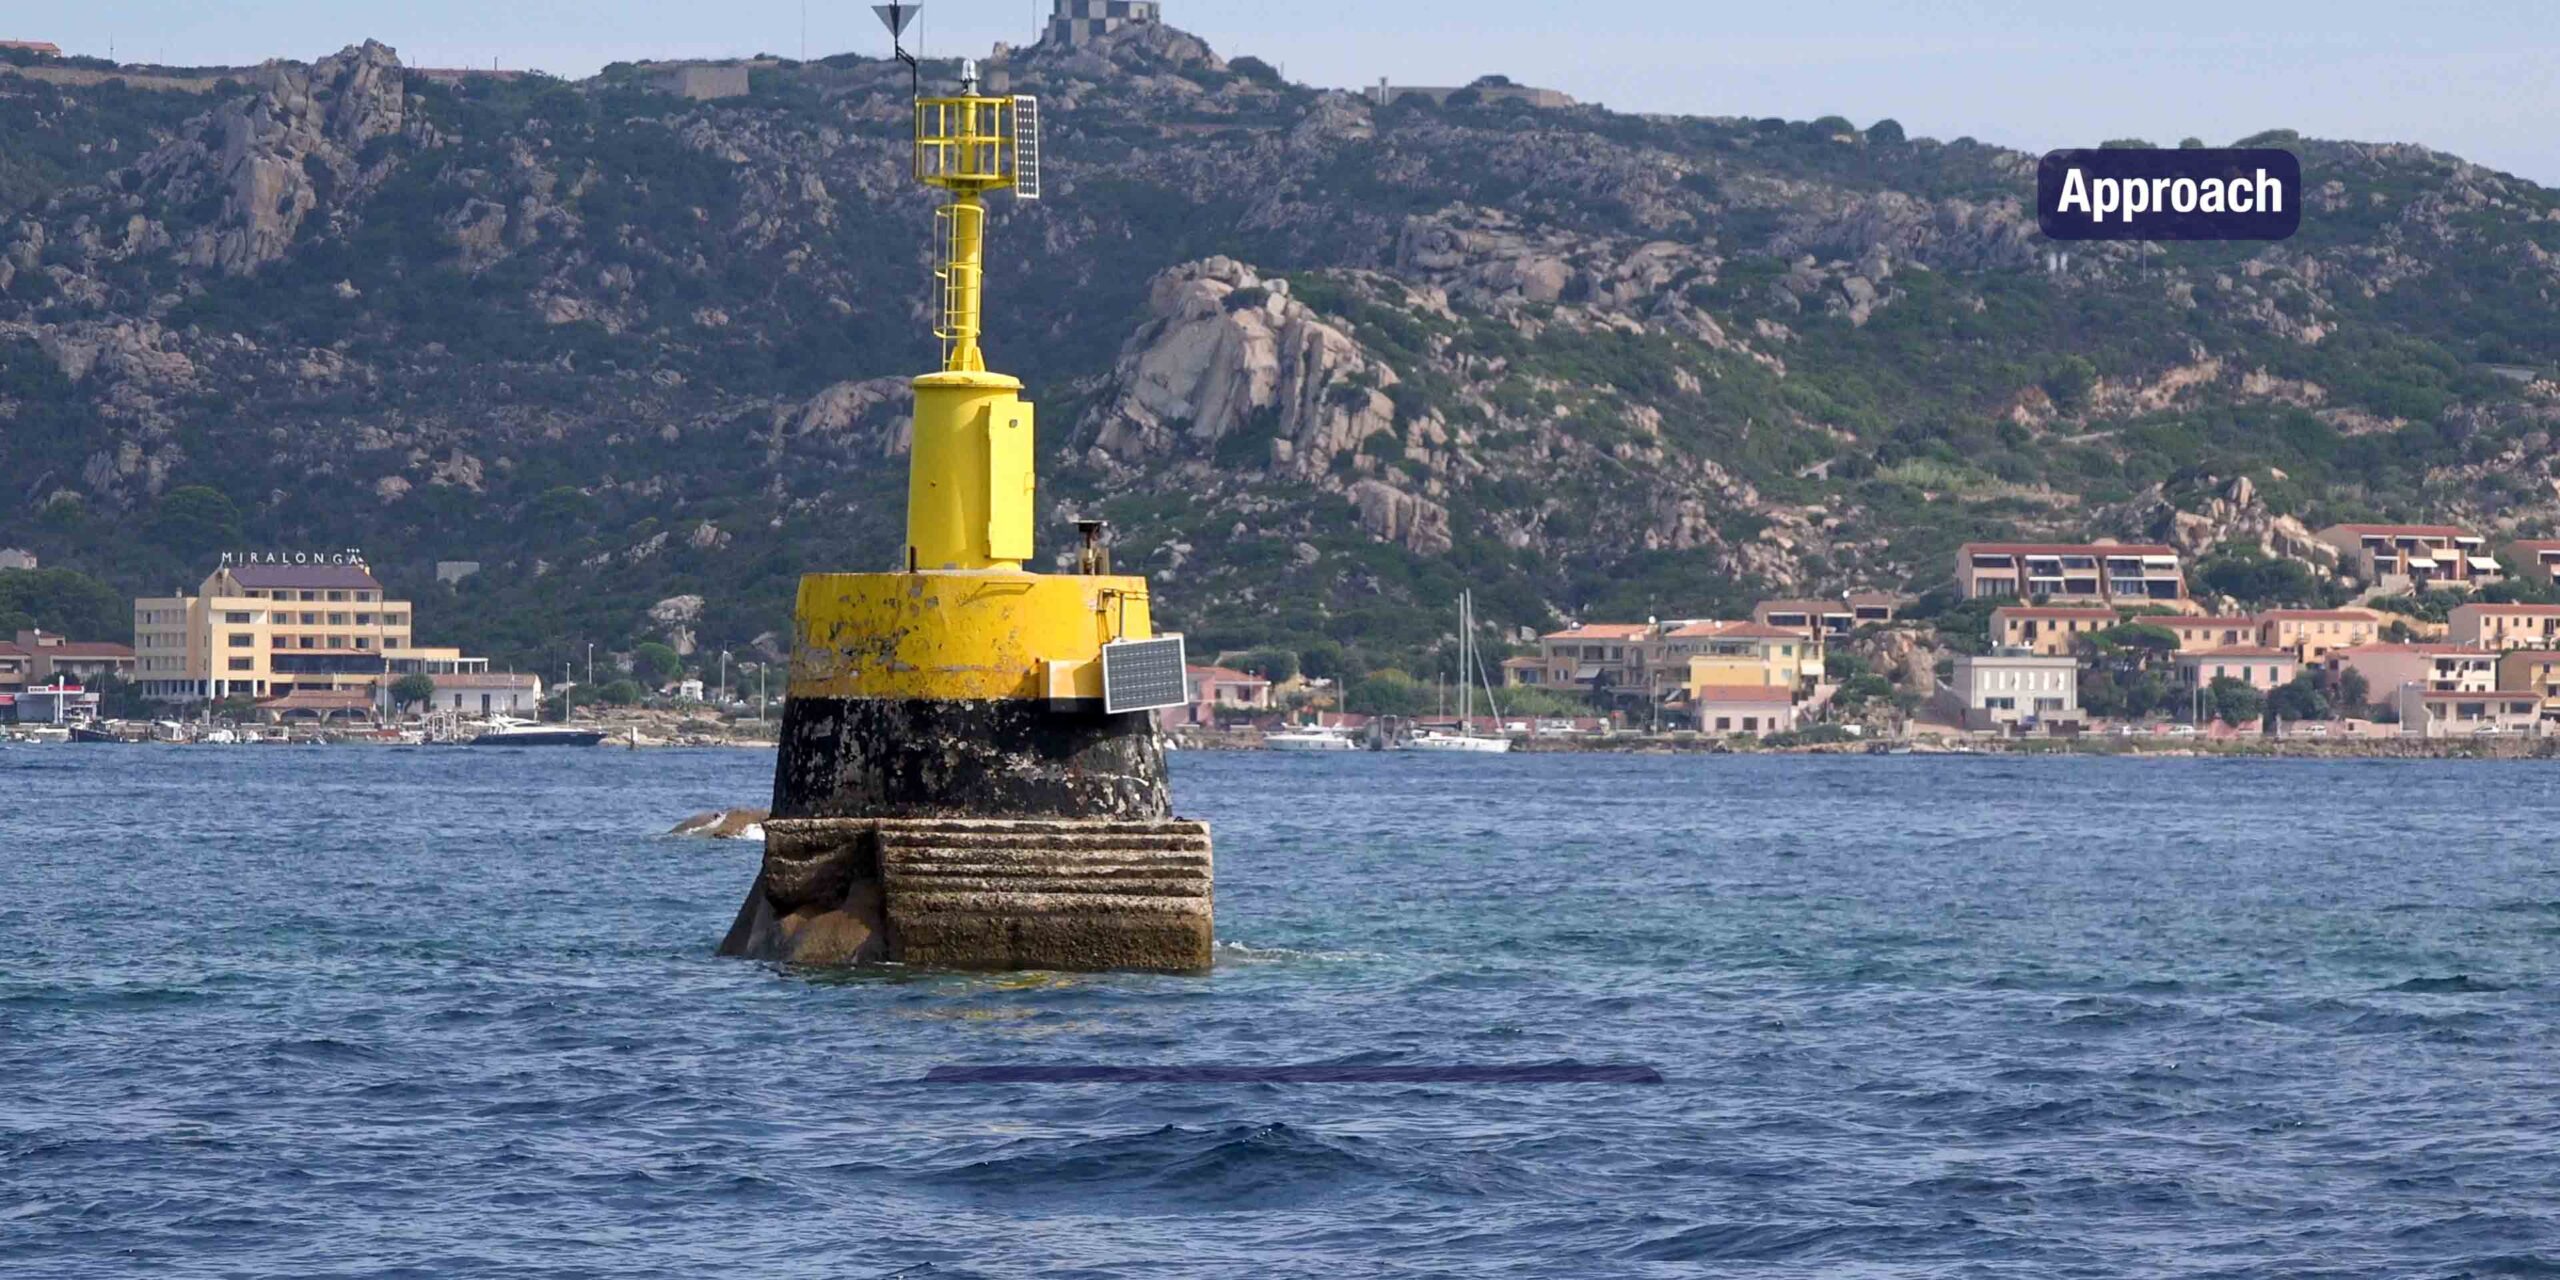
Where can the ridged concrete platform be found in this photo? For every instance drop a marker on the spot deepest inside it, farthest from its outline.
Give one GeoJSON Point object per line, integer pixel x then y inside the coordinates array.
{"type": "Point", "coordinates": [959, 893]}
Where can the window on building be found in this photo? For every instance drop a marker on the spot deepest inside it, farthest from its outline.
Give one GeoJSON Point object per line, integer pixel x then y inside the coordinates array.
{"type": "Point", "coordinates": [337, 619]}
{"type": "Point", "coordinates": [308, 596]}
{"type": "Point", "coordinates": [364, 619]}
{"type": "Point", "coordinates": [337, 642]}
{"type": "Point", "coordinates": [238, 619]}
{"type": "Point", "coordinates": [337, 596]}
{"type": "Point", "coordinates": [311, 619]}
{"type": "Point", "coordinates": [244, 664]}
{"type": "Point", "coordinates": [243, 640]}
{"type": "Point", "coordinates": [1724, 724]}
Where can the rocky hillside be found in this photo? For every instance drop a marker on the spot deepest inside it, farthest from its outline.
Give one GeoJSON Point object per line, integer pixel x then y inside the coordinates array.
{"type": "Point", "coordinates": [1322, 363]}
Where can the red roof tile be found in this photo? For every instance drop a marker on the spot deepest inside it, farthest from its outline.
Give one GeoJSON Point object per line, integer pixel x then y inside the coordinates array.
{"type": "Point", "coordinates": [2316, 615]}
{"type": "Point", "coordinates": [2514, 610]}
{"type": "Point", "coordinates": [2053, 611]}
{"type": "Point", "coordinates": [2068, 548]}
{"type": "Point", "coordinates": [1604, 631]}
{"type": "Point", "coordinates": [2404, 530]}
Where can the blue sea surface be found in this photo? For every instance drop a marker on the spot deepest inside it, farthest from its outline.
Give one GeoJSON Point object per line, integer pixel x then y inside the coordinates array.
{"type": "Point", "coordinates": [347, 1012]}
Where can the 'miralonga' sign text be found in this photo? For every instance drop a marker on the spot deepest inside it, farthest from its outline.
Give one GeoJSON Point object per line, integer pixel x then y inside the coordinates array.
{"type": "Point", "coordinates": [238, 559]}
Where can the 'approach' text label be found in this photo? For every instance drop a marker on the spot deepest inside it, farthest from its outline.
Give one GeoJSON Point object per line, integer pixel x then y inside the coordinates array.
{"type": "Point", "coordinates": [2188, 194]}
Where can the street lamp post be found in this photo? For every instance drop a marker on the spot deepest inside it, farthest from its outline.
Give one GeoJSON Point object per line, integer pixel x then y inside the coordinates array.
{"type": "Point", "coordinates": [724, 678]}
{"type": "Point", "coordinates": [591, 662]}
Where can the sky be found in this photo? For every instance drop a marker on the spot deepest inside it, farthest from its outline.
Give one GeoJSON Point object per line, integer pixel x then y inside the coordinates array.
{"type": "Point", "coordinates": [2480, 78]}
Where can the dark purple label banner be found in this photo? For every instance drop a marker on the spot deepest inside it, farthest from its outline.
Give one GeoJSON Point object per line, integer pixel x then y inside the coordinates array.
{"type": "Point", "coordinates": [2188, 194]}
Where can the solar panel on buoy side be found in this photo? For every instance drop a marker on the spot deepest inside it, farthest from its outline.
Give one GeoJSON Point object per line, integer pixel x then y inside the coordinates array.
{"type": "Point", "coordinates": [1026, 147]}
{"type": "Point", "coordinates": [1143, 675]}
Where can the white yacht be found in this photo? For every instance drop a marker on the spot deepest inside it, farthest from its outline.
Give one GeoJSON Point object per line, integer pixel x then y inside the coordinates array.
{"type": "Point", "coordinates": [1470, 671]}
{"type": "Point", "coordinates": [1310, 737]}
{"type": "Point", "coordinates": [505, 732]}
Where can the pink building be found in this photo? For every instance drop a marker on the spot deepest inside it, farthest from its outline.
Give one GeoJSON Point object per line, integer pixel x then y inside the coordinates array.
{"type": "Point", "coordinates": [2256, 666]}
{"type": "Point", "coordinates": [1740, 709]}
{"type": "Point", "coordinates": [1215, 689]}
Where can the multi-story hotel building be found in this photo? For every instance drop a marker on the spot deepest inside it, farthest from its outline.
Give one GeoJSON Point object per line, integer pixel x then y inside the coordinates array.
{"type": "Point", "coordinates": [2507, 626]}
{"type": "Point", "coordinates": [269, 631]}
{"type": "Point", "coordinates": [2413, 557]}
{"type": "Point", "coordinates": [2539, 560]}
{"type": "Point", "coordinates": [2097, 573]}
{"type": "Point", "coordinates": [2313, 634]}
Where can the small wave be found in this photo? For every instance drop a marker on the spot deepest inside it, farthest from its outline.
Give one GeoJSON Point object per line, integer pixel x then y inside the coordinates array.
{"type": "Point", "coordinates": [1230, 1166]}
{"type": "Point", "coordinates": [1247, 953]}
{"type": "Point", "coordinates": [2458, 984]}
{"type": "Point", "coordinates": [1748, 1242]}
{"type": "Point", "coordinates": [2508, 1264]}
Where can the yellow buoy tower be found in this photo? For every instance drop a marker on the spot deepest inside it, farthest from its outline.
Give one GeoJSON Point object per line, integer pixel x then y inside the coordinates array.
{"type": "Point", "coordinates": [969, 775]}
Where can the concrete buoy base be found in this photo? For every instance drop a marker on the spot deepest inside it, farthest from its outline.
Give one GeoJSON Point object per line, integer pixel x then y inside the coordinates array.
{"type": "Point", "coordinates": [981, 894]}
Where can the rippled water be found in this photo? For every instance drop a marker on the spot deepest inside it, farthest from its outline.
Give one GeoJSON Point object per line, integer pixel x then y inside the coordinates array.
{"type": "Point", "coordinates": [275, 1012]}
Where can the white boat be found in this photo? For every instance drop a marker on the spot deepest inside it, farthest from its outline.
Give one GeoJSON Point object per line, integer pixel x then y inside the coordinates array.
{"type": "Point", "coordinates": [1434, 740]}
{"type": "Point", "coordinates": [504, 732]}
{"type": "Point", "coordinates": [1470, 671]}
{"type": "Point", "coordinates": [1311, 737]}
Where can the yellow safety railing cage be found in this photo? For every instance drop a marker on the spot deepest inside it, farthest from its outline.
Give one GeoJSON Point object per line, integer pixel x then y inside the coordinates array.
{"type": "Point", "coordinates": [965, 144]}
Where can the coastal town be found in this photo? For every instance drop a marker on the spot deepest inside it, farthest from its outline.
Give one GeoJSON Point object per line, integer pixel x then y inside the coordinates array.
{"type": "Point", "coordinates": [2440, 641]}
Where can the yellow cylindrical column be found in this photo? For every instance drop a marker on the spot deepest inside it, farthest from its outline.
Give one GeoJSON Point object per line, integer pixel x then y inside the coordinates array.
{"type": "Point", "coordinates": [970, 474]}
{"type": "Point", "coordinates": [964, 284]}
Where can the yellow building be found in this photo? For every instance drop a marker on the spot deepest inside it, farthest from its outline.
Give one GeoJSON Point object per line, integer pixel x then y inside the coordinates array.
{"type": "Point", "coordinates": [2314, 634]}
{"type": "Point", "coordinates": [1729, 655]}
{"type": "Point", "coordinates": [265, 631]}
{"type": "Point", "coordinates": [2053, 631]}
{"type": "Point", "coordinates": [2534, 671]}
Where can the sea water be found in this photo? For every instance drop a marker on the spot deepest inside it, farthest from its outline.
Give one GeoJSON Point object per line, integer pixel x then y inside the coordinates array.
{"type": "Point", "coordinates": [344, 1012]}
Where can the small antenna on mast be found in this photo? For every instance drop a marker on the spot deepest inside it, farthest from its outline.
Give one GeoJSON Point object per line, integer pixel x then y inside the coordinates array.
{"type": "Point", "coordinates": [895, 16]}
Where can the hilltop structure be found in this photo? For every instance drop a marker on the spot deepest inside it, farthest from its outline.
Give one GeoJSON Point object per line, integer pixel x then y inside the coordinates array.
{"type": "Point", "coordinates": [1078, 22]}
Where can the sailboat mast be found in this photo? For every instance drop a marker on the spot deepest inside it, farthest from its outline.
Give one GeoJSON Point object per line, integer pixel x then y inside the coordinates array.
{"type": "Point", "coordinates": [1467, 660]}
